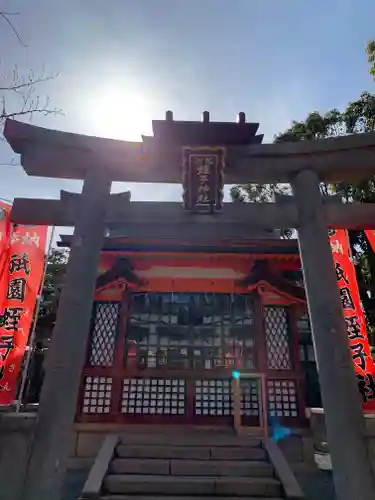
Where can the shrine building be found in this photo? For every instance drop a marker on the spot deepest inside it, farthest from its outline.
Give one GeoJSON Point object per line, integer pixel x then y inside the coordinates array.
{"type": "Point", "coordinates": [199, 315]}
{"type": "Point", "coordinates": [178, 312]}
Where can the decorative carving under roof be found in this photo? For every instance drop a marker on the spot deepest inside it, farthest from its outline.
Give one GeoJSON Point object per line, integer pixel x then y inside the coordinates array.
{"type": "Point", "coordinates": [122, 269]}
{"type": "Point", "coordinates": [263, 275]}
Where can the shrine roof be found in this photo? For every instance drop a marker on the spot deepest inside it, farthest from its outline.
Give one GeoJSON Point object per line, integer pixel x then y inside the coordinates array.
{"type": "Point", "coordinates": [285, 248]}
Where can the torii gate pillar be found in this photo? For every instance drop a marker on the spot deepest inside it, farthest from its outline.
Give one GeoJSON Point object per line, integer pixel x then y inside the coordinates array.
{"type": "Point", "coordinates": [52, 440]}
{"type": "Point", "coordinates": [341, 400]}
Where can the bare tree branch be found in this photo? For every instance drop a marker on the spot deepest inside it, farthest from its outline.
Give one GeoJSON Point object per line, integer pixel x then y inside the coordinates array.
{"type": "Point", "coordinates": [31, 111]}
{"type": "Point", "coordinates": [16, 87]}
{"type": "Point", "coordinates": [18, 93]}
{"type": "Point", "coordinates": [6, 17]}
{"type": "Point", "coordinates": [25, 101]}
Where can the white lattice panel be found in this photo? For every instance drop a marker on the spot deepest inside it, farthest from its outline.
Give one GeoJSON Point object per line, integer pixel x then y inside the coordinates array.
{"type": "Point", "coordinates": [214, 398]}
{"type": "Point", "coordinates": [153, 396]}
{"type": "Point", "coordinates": [97, 395]}
{"type": "Point", "coordinates": [282, 398]}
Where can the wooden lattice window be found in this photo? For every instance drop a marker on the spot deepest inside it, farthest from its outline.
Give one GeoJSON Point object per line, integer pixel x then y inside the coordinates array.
{"type": "Point", "coordinates": [153, 396]}
{"type": "Point", "coordinates": [97, 395]}
{"type": "Point", "coordinates": [191, 331]}
{"type": "Point", "coordinates": [103, 334]}
{"type": "Point", "coordinates": [214, 397]}
{"type": "Point", "coordinates": [250, 397]}
{"type": "Point", "coordinates": [277, 338]}
{"type": "Point", "coordinates": [282, 398]}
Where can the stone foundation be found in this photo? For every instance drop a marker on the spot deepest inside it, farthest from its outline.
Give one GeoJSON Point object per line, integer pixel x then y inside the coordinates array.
{"type": "Point", "coordinates": [320, 440]}
{"type": "Point", "coordinates": [88, 438]}
{"type": "Point", "coordinates": [16, 433]}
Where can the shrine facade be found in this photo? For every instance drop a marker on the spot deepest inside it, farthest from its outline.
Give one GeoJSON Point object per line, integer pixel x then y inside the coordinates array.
{"type": "Point", "coordinates": [171, 324]}
{"type": "Point", "coordinates": [201, 350]}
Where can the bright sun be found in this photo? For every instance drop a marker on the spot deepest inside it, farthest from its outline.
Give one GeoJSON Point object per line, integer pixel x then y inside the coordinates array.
{"type": "Point", "coordinates": [120, 115]}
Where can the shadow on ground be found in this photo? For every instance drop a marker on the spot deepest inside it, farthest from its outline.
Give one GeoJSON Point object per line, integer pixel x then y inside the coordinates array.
{"type": "Point", "coordinates": [317, 485]}
{"type": "Point", "coordinates": [74, 482]}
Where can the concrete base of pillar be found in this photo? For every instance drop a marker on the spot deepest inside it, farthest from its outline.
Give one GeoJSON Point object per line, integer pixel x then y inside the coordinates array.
{"type": "Point", "coordinates": [16, 434]}
{"type": "Point", "coordinates": [320, 440]}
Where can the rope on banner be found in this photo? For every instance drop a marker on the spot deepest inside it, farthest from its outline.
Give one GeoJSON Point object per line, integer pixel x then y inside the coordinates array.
{"type": "Point", "coordinates": [30, 343]}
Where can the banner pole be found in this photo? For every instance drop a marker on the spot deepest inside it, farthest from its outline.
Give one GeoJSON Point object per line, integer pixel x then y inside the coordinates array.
{"type": "Point", "coordinates": [6, 235]}
{"type": "Point", "coordinates": [33, 331]}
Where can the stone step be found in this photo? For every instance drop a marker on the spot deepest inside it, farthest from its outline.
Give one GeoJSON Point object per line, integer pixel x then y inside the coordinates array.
{"type": "Point", "coordinates": [139, 466]}
{"type": "Point", "coordinates": [238, 453]}
{"type": "Point", "coordinates": [191, 452]}
{"type": "Point", "coordinates": [191, 467]}
{"type": "Point", "coordinates": [177, 485]}
{"type": "Point", "coordinates": [179, 497]}
{"type": "Point", "coordinates": [221, 468]}
{"type": "Point", "coordinates": [195, 439]}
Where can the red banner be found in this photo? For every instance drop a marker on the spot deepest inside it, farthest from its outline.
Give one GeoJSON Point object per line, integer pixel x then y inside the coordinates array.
{"type": "Point", "coordinates": [370, 234]}
{"type": "Point", "coordinates": [24, 268]}
{"type": "Point", "coordinates": [354, 317]}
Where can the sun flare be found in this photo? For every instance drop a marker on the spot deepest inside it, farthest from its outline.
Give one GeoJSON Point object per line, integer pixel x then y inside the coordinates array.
{"type": "Point", "coordinates": [120, 115]}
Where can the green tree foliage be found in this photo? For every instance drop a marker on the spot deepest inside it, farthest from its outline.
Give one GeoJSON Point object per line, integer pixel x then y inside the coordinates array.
{"type": "Point", "coordinates": [370, 49]}
{"type": "Point", "coordinates": [53, 284]}
{"type": "Point", "coordinates": [258, 193]}
{"type": "Point", "coordinates": [358, 117]}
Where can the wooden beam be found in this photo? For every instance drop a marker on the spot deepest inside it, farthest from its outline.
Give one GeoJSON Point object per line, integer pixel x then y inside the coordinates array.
{"type": "Point", "coordinates": [51, 153]}
{"type": "Point", "coordinates": [332, 166]}
{"type": "Point", "coordinates": [32, 211]}
{"type": "Point", "coordinates": [272, 248]}
{"type": "Point", "coordinates": [161, 215]}
{"type": "Point", "coordinates": [244, 163]}
{"type": "Point", "coordinates": [287, 198]}
{"type": "Point", "coordinates": [190, 232]}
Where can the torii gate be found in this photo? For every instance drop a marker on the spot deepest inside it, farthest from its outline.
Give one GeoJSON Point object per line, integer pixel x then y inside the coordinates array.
{"type": "Point", "coordinates": [304, 165]}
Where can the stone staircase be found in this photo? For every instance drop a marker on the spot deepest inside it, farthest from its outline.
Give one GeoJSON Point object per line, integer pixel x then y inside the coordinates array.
{"type": "Point", "coordinates": [199, 465]}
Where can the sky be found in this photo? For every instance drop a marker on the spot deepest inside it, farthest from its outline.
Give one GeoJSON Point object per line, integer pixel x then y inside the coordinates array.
{"type": "Point", "coordinates": [122, 63]}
